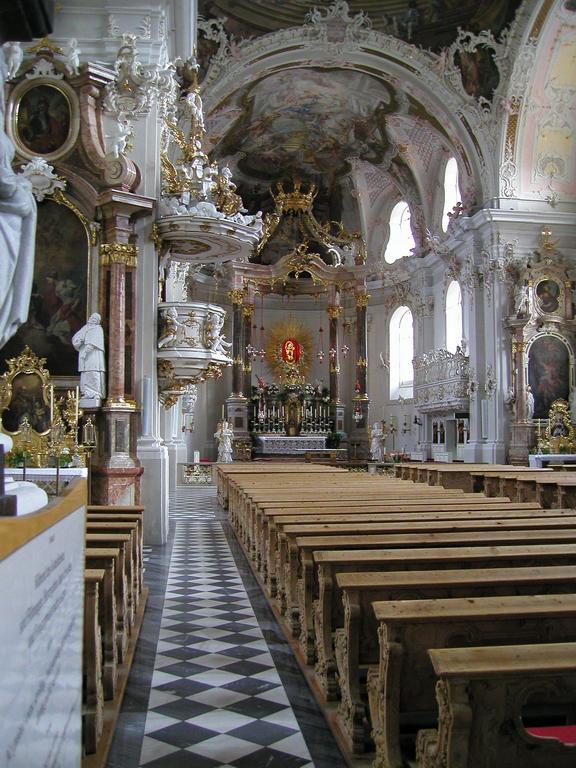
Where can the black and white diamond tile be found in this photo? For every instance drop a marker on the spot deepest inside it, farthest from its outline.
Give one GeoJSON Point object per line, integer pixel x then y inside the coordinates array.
{"type": "Point", "coordinates": [216, 696]}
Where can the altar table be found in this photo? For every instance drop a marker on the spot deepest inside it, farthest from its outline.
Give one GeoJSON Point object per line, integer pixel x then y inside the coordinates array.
{"type": "Point", "coordinates": [281, 444]}
{"type": "Point", "coordinates": [539, 460]}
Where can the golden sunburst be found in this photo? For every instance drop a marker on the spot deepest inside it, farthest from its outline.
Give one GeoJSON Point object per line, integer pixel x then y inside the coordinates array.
{"type": "Point", "coordinates": [275, 337]}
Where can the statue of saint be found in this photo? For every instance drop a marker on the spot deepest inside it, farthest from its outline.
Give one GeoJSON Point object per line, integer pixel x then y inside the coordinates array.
{"type": "Point", "coordinates": [17, 233]}
{"type": "Point", "coordinates": [376, 436]}
{"type": "Point", "coordinates": [89, 341]}
{"type": "Point", "coordinates": [224, 434]}
{"type": "Point", "coordinates": [529, 404]}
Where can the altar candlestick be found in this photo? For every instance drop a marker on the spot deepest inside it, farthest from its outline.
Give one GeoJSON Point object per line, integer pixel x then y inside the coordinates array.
{"type": "Point", "coordinates": [222, 411]}
{"type": "Point", "coordinates": [77, 404]}
{"type": "Point", "coordinates": [51, 403]}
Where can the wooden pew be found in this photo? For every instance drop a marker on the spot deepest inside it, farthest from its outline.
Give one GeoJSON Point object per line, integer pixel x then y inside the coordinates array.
{"type": "Point", "coordinates": [300, 584]}
{"type": "Point", "coordinates": [100, 557]}
{"type": "Point", "coordinates": [271, 523]}
{"type": "Point", "coordinates": [325, 612]}
{"type": "Point", "coordinates": [108, 620]}
{"type": "Point", "coordinates": [93, 694]}
{"type": "Point", "coordinates": [132, 528]}
{"type": "Point", "coordinates": [124, 542]}
{"type": "Point", "coordinates": [356, 645]}
{"type": "Point", "coordinates": [480, 692]}
{"type": "Point", "coordinates": [124, 512]}
{"type": "Point", "coordinates": [403, 682]}
{"type": "Point", "coordinates": [126, 518]}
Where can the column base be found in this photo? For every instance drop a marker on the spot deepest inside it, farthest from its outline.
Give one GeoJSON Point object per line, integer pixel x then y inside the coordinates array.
{"type": "Point", "coordinates": [116, 485]}
{"type": "Point", "coordinates": [237, 414]}
{"type": "Point", "coordinates": [522, 440]}
{"type": "Point", "coordinates": [154, 485]}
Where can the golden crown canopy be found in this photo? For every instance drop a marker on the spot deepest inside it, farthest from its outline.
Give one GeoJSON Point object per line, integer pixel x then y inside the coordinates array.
{"type": "Point", "coordinates": [298, 199]}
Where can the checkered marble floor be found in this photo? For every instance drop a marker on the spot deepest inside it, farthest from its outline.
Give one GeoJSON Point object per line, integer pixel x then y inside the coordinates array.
{"type": "Point", "coordinates": [216, 697]}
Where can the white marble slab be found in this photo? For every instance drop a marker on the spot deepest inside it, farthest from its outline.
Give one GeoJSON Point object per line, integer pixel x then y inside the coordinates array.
{"type": "Point", "coordinates": [542, 459]}
{"type": "Point", "coordinates": [41, 605]}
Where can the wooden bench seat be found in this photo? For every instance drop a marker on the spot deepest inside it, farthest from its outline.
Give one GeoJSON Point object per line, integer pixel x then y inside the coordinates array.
{"type": "Point", "coordinates": [404, 681]}
{"type": "Point", "coordinates": [266, 544]}
{"type": "Point", "coordinates": [134, 529]}
{"type": "Point", "coordinates": [480, 692]}
{"type": "Point", "coordinates": [124, 541]}
{"type": "Point", "coordinates": [108, 620]}
{"type": "Point", "coordinates": [100, 557]}
{"type": "Point", "coordinates": [319, 605]}
{"type": "Point", "coordinates": [92, 693]}
{"type": "Point", "coordinates": [129, 517]}
{"type": "Point", "coordinates": [355, 644]}
{"type": "Point", "coordinates": [297, 575]}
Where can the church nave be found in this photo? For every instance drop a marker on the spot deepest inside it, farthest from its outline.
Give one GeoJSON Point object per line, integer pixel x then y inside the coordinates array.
{"type": "Point", "coordinates": [214, 682]}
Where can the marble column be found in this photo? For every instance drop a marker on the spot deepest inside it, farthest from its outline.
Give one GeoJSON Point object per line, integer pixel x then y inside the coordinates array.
{"type": "Point", "coordinates": [522, 429]}
{"type": "Point", "coordinates": [247, 313]}
{"type": "Point", "coordinates": [116, 468]}
{"type": "Point", "coordinates": [237, 297]}
{"type": "Point", "coordinates": [359, 438]}
{"type": "Point", "coordinates": [237, 403]}
{"type": "Point", "coordinates": [336, 405]}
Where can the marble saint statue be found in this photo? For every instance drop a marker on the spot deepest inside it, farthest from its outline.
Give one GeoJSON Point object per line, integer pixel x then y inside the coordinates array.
{"type": "Point", "coordinates": [376, 435]}
{"type": "Point", "coordinates": [529, 404]}
{"type": "Point", "coordinates": [89, 342]}
{"type": "Point", "coordinates": [17, 233]}
{"type": "Point", "coordinates": [224, 434]}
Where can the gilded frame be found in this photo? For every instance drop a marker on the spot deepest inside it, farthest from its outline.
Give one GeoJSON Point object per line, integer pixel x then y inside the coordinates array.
{"type": "Point", "coordinates": [23, 98]}
{"type": "Point", "coordinates": [27, 364]}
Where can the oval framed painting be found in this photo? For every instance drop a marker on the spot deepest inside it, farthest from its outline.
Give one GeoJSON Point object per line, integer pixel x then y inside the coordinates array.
{"type": "Point", "coordinates": [43, 118]}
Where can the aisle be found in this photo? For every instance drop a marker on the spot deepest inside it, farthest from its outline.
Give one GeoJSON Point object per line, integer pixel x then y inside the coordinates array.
{"type": "Point", "coordinates": [216, 695]}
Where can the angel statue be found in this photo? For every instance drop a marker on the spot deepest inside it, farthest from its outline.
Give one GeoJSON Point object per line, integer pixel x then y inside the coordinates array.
{"type": "Point", "coordinates": [376, 437]}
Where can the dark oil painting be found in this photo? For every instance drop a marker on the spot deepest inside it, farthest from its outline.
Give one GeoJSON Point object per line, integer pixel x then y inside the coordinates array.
{"type": "Point", "coordinates": [548, 373]}
{"type": "Point", "coordinates": [547, 295]}
{"type": "Point", "coordinates": [43, 122]}
{"type": "Point", "coordinates": [58, 301]}
{"type": "Point", "coordinates": [27, 400]}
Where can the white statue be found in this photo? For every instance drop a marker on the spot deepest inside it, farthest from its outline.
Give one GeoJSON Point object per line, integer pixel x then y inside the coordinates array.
{"type": "Point", "coordinates": [169, 334]}
{"type": "Point", "coordinates": [224, 434]}
{"type": "Point", "coordinates": [17, 234]}
{"type": "Point", "coordinates": [529, 404]}
{"type": "Point", "coordinates": [195, 104]}
{"type": "Point", "coordinates": [212, 338]}
{"type": "Point", "coordinates": [13, 54]}
{"type": "Point", "coordinates": [376, 437]}
{"type": "Point", "coordinates": [72, 57]}
{"type": "Point", "coordinates": [89, 341]}
{"type": "Point", "coordinates": [510, 402]}
{"type": "Point", "coordinates": [119, 136]}
{"type": "Point", "coordinates": [522, 300]}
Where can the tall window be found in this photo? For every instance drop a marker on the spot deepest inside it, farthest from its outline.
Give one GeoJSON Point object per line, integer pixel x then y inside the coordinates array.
{"type": "Point", "coordinates": [401, 354]}
{"type": "Point", "coordinates": [454, 330]}
{"type": "Point", "coordinates": [401, 240]}
{"type": "Point", "coordinates": [452, 193]}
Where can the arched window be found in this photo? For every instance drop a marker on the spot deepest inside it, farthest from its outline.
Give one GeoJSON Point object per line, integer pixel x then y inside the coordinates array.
{"type": "Point", "coordinates": [401, 354]}
{"type": "Point", "coordinates": [401, 240]}
{"type": "Point", "coordinates": [454, 330]}
{"type": "Point", "coordinates": [452, 193]}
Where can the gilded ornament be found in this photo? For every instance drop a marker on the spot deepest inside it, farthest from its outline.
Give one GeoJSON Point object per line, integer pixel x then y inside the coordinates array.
{"type": "Point", "coordinates": [334, 311]}
{"type": "Point", "coordinates": [362, 298]}
{"type": "Point", "coordinates": [118, 253]}
{"type": "Point", "coordinates": [247, 310]}
{"type": "Point", "coordinates": [236, 295]}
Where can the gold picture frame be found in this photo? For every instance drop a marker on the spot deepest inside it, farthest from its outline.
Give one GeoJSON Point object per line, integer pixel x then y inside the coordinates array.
{"type": "Point", "coordinates": [43, 118]}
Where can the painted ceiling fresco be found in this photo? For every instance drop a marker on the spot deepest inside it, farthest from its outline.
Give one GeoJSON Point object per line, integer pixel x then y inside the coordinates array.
{"type": "Point", "coordinates": [429, 23]}
{"type": "Point", "coordinates": [311, 121]}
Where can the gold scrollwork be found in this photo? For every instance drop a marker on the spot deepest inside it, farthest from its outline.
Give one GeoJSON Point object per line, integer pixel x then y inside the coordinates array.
{"type": "Point", "coordinates": [118, 253]}
{"type": "Point", "coordinates": [334, 311]}
{"type": "Point", "coordinates": [236, 295]}
{"type": "Point", "coordinates": [362, 298]}
{"type": "Point", "coordinates": [59, 197]}
{"type": "Point", "coordinates": [362, 362]}
{"type": "Point", "coordinates": [518, 346]}
{"type": "Point", "coordinates": [247, 310]}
